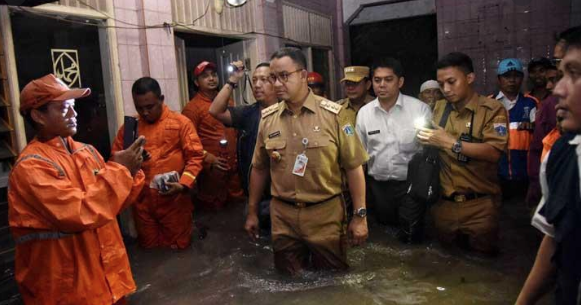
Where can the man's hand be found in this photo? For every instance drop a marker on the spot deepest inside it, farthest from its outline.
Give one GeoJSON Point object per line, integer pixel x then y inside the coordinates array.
{"type": "Point", "coordinates": [132, 157]}
{"type": "Point", "coordinates": [238, 73]}
{"type": "Point", "coordinates": [173, 188]}
{"type": "Point", "coordinates": [357, 231]}
{"type": "Point", "coordinates": [436, 137]}
{"type": "Point", "coordinates": [251, 226]}
{"type": "Point", "coordinates": [217, 162]}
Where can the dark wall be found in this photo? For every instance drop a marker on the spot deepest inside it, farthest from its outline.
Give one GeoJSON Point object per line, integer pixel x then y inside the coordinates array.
{"type": "Point", "coordinates": [490, 30]}
{"type": "Point", "coordinates": [413, 41]}
{"type": "Point", "coordinates": [34, 37]}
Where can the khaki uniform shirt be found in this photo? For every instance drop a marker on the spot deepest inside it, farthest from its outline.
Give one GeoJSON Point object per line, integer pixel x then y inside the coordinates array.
{"type": "Point", "coordinates": [332, 145]}
{"type": "Point", "coordinates": [350, 111]}
{"type": "Point", "coordinates": [490, 127]}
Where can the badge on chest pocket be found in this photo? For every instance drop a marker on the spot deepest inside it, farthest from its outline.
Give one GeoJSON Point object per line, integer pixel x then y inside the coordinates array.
{"type": "Point", "coordinates": [301, 161]}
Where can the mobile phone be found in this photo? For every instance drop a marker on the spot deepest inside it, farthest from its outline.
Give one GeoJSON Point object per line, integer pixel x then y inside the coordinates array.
{"type": "Point", "coordinates": [130, 134]}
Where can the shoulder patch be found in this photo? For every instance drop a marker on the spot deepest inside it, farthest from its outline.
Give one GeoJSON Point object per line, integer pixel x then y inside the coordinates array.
{"type": "Point", "coordinates": [269, 110]}
{"type": "Point", "coordinates": [331, 106]}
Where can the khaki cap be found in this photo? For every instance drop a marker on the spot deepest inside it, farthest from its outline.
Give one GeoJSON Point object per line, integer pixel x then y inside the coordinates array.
{"type": "Point", "coordinates": [355, 73]}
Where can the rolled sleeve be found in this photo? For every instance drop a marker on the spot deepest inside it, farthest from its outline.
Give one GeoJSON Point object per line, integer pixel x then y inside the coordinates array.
{"type": "Point", "coordinates": [260, 159]}
{"type": "Point", "coordinates": [351, 151]}
{"type": "Point", "coordinates": [495, 132]}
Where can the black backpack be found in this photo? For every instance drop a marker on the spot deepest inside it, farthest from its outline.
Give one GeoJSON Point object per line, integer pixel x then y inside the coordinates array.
{"type": "Point", "coordinates": [424, 170]}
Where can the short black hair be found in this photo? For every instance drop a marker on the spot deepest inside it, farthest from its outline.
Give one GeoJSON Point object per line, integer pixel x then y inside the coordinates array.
{"type": "Point", "coordinates": [144, 85]}
{"type": "Point", "coordinates": [388, 62]}
{"type": "Point", "coordinates": [458, 60]}
{"type": "Point", "coordinates": [540, 61]}
{"type": "Point", "coordinates": [295, 54]}
{"type": "Point", "coordinates": [262, 64]}
{"type": "Point", "coordinates": [572, 37]}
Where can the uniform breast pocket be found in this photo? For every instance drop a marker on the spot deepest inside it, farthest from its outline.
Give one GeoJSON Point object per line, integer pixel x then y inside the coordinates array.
{"type": "Point", "coordinates": [407, 141]}
{"type": "Point", "coordinates": [89, 169]}
{"type": "Point", "coordinates": [317, 150]}
{"type": "Point", "coordinates": [276, 150]}
{"type": "Point", "coordinates": [171, 136]}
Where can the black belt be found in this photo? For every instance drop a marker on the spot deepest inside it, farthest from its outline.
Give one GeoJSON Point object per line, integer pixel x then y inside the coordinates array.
{"type": "Point", "coordinates": [304, 204]}
{"type": "Point", "coordinates": [457, 197]}
{"type": "Point", "coordinates": [40, 236]}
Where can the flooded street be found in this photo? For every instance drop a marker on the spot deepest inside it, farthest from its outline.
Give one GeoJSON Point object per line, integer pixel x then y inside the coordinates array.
{"type": "Point", "coordinates": [227, 268]}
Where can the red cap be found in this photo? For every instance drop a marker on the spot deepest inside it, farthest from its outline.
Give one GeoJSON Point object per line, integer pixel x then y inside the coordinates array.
{"type": "Point", "coordinates": [201, 67]}
{"type": "Point", "coordinates": [48, 89]}
{"type": "Point", "coordinates": [315, 78]}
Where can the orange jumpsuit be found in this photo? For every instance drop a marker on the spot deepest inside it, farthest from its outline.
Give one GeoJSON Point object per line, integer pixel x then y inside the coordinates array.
{"type": "Point", "coordinates": [172, 142]}
{"type": "Point", "coordinates": [212, 182]}
{"type": "Point", "coordinates": [62, 209]}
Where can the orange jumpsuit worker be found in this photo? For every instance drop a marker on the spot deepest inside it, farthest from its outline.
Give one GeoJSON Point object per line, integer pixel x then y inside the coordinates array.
{"type": "Point", "coordinates": [220, 164]}
{"type": "Point", "coordinates": [63, 199]}
{"type": "Point", "coordinates": [164, 219]}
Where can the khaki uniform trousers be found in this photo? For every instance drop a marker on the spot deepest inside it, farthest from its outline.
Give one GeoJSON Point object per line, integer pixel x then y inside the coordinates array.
{"type": "Point", "coordinates": [309, 237]}
{"type": "Point", "coordinates": [477, 219]}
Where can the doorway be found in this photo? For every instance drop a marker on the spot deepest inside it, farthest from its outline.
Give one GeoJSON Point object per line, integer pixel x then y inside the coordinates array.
{"type": "Point", "coordinates": [192, 49]}
{"type": "Point", "coordinates": [413, 41]}
{"type": "Point", "coordinates": [71, 51]}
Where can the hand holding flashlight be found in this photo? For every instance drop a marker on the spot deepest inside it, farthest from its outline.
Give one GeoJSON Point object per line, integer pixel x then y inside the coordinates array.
{"type": "Point", "coordinates": [236, 71]}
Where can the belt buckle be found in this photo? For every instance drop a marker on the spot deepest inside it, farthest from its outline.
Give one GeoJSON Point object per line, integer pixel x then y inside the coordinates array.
{"type": "Point", "coordinates": [300, 204]}
{"type": "Point", "coordinates": [459, 198]}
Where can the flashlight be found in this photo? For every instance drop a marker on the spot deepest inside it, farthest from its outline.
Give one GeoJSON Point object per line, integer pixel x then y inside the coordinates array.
{"type": "Point", "coordinates": [421, 122]}
{"type": "Point", "coordinates": [232, 68]}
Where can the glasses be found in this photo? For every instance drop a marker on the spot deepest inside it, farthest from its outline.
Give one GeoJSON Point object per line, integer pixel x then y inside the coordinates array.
{"type": "Point", "coordinates": [282, 77]}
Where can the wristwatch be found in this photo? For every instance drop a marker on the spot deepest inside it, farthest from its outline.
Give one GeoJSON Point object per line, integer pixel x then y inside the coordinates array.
{"type": "Point", "coordinates": [361, 212]}
{"type": "Point", "coordinates": [233, 85]}
{"type": "Point", "coordinates": [457, 147]}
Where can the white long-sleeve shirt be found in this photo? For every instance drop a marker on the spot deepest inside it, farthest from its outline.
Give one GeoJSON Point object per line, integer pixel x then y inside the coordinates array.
{"type": "Point", "coordinates": [390, 136]}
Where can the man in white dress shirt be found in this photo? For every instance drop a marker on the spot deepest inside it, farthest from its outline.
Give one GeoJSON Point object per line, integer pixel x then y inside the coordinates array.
{"type": "Point", "coordinates": [386, 128]}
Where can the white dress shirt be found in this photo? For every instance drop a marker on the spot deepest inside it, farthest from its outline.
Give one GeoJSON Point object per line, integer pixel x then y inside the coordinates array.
{"type": "Point", "coordinates": [539, 220]}
{"type": "Point", "coordinates": [390, 136]}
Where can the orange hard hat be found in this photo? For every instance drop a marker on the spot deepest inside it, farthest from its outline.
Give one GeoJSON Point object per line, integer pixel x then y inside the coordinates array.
{"type": "Point", "coordinates": [315, 78]}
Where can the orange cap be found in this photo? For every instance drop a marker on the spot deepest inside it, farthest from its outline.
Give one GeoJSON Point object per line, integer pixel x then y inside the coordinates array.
{"type": "Point", "coordinates": [201, 67]}
{"type": "Point", "coordinates": [315, 78]}
{"type": "Point", "coordinates": [48, 89]}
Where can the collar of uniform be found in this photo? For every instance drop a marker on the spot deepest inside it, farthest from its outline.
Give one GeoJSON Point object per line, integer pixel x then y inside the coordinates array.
{"type": "Point", "coordinates": [164, 112]}
{"type": "Point", "coordinates": [205, 98]}
{"type": "Point", "coordinates": [59, 143]}
{"type": "Point", "coordinates": [576, 140]}
{"type": "Point", "coordinates": [368, 99]}
{"type": "Point", "coordinates": [398, 102]}
{"type": "Point", "coordinates": [473, 104]}
{"type": "Point", "coordinates": [501, 95]}
{"type": "Point", "coordinates": [310, 103]}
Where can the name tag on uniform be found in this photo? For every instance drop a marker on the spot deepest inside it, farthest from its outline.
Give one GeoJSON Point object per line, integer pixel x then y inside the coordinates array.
{"type": "Point", "coordinates": [300, 165]}
{"type": "Point", "coordinates": [370, 133]}
{"type": "Point", "coordinates": [274, 134]}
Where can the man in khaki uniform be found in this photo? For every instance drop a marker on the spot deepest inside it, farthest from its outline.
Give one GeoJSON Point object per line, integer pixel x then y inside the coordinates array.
{"type": "Point", "coordinates": [357, 84]}
{"type": "Point", "coordinates": [474, 137]}
{"type": "Point", "coordinates": [302, 145]}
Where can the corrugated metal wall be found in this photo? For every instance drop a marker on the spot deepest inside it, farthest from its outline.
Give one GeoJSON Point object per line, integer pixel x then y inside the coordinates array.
{"type": "Point", "coordinates": [201, 15]}
{"type": "Point", "coordinates": [305, 26]}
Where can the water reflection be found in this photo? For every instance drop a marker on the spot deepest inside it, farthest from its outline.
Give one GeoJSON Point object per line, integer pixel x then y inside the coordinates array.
{"type": "Point", "coordinates": [226, 268]}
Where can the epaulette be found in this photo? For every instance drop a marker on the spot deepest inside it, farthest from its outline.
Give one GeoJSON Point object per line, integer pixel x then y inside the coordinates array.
{"type": "Point", "coordinates": [342, 101]}
{"type": "Point", "coordinates": [269, 110]}
{"type": "Point", "coordinates": [331, 106]}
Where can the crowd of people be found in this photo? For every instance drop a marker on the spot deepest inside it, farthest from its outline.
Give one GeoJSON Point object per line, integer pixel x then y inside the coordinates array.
{"type": "Point", "coordinates": [309, 167]}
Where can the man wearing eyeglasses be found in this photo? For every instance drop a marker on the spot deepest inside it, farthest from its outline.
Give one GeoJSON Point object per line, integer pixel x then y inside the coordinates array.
{"type": "Point", "coordinates": [245, 119]}
{"type": "Point", "coordinates": [303, 144]}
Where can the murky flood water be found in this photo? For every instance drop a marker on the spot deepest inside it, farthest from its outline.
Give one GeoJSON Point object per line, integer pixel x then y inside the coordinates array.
{"type": "Point", "coordinates": [227, 268]}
